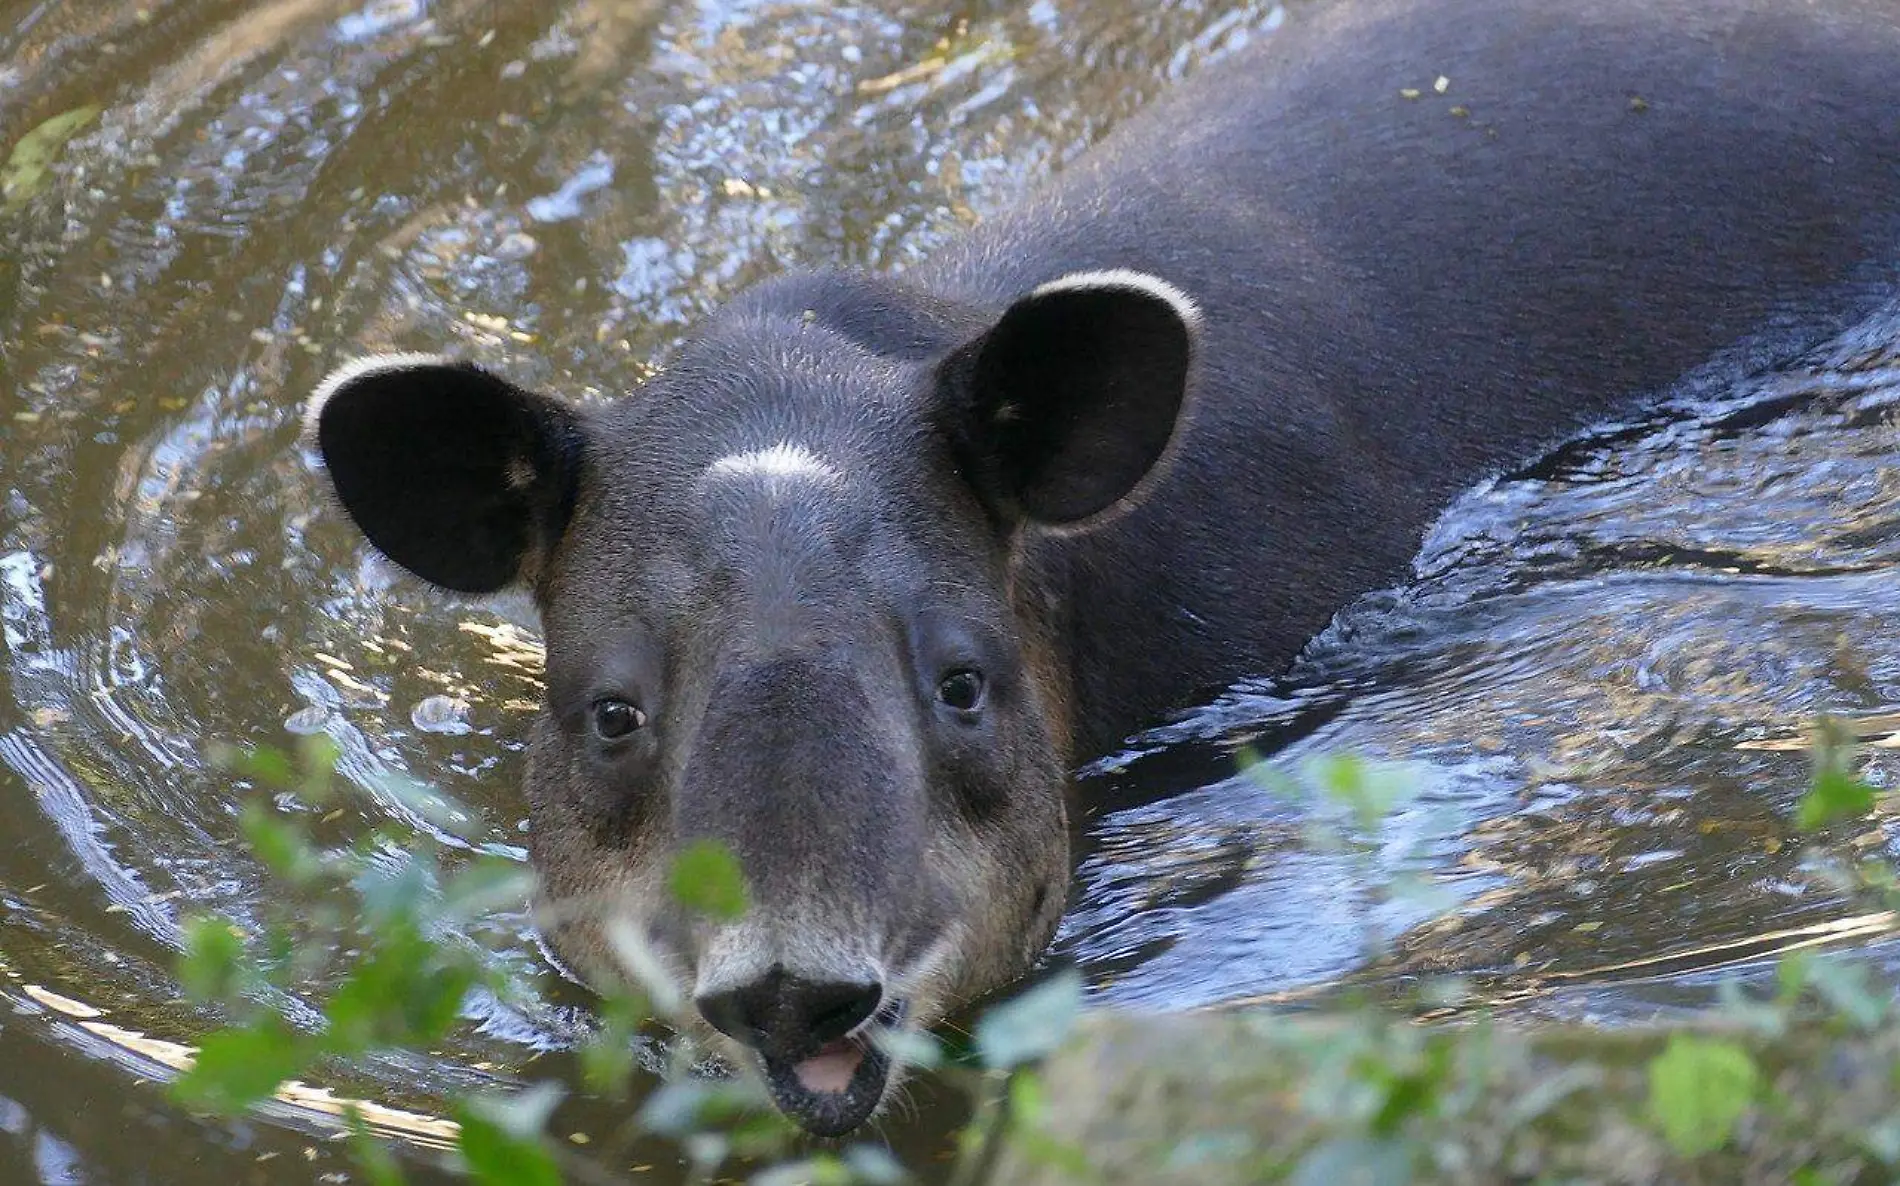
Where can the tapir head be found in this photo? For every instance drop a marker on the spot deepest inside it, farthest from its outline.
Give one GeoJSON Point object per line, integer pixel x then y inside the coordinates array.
{"type": "Point", "coordinates": [790, 604]}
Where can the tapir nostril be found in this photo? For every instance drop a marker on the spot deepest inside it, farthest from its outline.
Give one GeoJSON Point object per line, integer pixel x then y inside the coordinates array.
{"type": "Point", "coordinates": [788, 1016]}
{"type": "Point", "coordinates": [834, 1010]}
{"type": "Point", "coordinates": [731, 1013]}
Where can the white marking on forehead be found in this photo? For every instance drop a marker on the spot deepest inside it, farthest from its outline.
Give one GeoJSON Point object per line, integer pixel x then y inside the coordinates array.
{"type": "Point", "coordinates": [1129, 279]}
{"type": "Point", "coordinates": [360, 368]}
{"type": "Point", "coordinates": [784, 460]}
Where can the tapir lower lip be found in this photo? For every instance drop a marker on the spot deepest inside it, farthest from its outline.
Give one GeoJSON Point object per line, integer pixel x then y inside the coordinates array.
{"type": "Point", "coordinates": [833, 1114]}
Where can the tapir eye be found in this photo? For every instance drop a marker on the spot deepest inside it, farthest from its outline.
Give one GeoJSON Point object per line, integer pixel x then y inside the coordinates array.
{"type": "Point", "coordinates": [615, 718]}
{"type": "Point", "coordinates": [962, 689]}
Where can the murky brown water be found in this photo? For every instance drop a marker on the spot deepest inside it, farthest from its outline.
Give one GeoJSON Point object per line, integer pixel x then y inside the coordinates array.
{"type": "Point", "coordinates": [1598, 672]}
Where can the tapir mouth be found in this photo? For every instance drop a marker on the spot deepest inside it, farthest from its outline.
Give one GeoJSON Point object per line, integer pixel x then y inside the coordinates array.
{"type": "Point", "coordinates": [838, 1086]}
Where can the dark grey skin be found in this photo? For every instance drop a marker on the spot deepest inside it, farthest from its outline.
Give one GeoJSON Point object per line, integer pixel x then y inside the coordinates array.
{"type": "Point", "coordinates": [859, 576]}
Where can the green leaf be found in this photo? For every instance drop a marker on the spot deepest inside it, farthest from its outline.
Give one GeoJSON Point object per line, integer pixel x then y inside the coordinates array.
{"type": "Point", "coordinates": [1267, 776]}
{"type": "Point", "coordinates": [691, 1105]}
{"type": "Point", "coordinates": [1882, 1140]}
{"type": "Point", "coordinates": [30, 163]}
{"type": "Point", "coordinates": [238, 1067]}
{"type": "Point", "coordinates": [283, 949]}
{"type": "Point", "coordinates": [1412, 1090]}
{"type": "Point", "coordinates": [706, 878]}
{"type": "Point", "coordinates": [523, 1114]}
{"type": "Point", "coordinates": [1421, 893]}
{"type": "Point", "coordinates": [1791, 976]}
{"type": "Point", "coordinates": [1444, 992]}
{"type": "Point", "coordinates": [279, 845]}
{"type": "Point", "coordinates": [1548, 1092]}
{"type": "Point", "coordinates": [1370, 792]}
{"type": "Point", "coordinates": [1028, 1102]}
{"type": "Point", "coordinates": [910, 1048]}
{"type": "Point", "coordinates": [1850, 990]}
{"type": "Point", "coordinates": [823, 1169]}
{"type": "Point", "coordinates": [1067, 1157]}
{"type": "Point", "coordinates": [1356, 1159]}
{"type": "Point", "coordinates": [1699, 1089]}
{"type": "Point", "coordinates": [395, 895]}
{"type": "Point", "coordinates": [644, 967]}
{"type": "Point", "coordinates": [606, 1058]}
{"type": "Point", "coordinates": [874, 1165]}
{"type": "Point", "coordinates": [406, 992]}
{"type": "Point", "coordinates": [1834, 795]}
{"type": "Point", "coordinates": [1029, 1130]}
{"type": "Point", "coordinates": [1033, 1024]}
{"type": "Point", "coordinates": [264, 765]}
{"type": "Point", "coordinates": [486, 886]}
{"type": "Point", "coordinates": [429, 804]}
{"type": "Point", "coordinates": [1737, 1008]}
{"type": "Point", "coordinates": [212, 966]}
{"type": "Point", "coordinates": [497, 1157]}
{"type": "Point", "coordinates": [861, 1165]}
{"type": "Point", "coordinates": [674, 1110]}
{"type": "Point", "coordinates": [756, 1130]}
{"type": "Point", "coordinates": [317, 753]}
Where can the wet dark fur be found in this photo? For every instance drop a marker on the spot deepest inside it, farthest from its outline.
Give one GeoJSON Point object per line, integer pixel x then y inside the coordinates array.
{"type": "Point", "coordinates": [1400, 300]}
{"type": "Point", "coordinates": [1399, 296]}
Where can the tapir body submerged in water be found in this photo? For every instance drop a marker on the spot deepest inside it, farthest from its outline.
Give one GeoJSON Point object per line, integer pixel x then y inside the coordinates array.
{"type": "Point", "coordinates": [852, 583]}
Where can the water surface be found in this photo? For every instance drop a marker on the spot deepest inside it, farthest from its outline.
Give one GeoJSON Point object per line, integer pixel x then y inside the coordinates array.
{"type": "Point", "coordinates": [1601, 676]}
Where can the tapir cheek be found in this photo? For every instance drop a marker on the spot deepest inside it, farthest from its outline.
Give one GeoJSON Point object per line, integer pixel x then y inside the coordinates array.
{"type": "Point", "coordinates": [980, 794]}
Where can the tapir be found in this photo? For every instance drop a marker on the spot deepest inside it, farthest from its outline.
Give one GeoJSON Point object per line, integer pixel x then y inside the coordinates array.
{"type": "Point", "coordinates": [873, 561]}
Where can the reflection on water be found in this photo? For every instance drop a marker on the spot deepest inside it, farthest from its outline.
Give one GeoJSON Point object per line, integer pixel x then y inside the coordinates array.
{"type": "Point", "coordinates": [1601, 679]}
{"type": "Point", "coordinates": [1597, 675]}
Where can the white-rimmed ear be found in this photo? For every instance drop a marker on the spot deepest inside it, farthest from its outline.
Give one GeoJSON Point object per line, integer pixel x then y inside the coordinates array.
{"type": "Point", "coordinates": [359, 368]}
{"type": "Point", "coordinates": [1061, 408]}
{"type": "Point", "coordinates": [1127, 278]}
{"type": "Point", "coordinates": [457, 475]}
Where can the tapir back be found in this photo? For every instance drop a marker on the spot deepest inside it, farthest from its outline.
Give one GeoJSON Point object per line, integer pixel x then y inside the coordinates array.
{"type": "Point", "coordinates": [1427, 241]}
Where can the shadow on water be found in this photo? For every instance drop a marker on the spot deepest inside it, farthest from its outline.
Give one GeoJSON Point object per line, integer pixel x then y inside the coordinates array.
{"type": "Point", "coordinates": [1600, 676]}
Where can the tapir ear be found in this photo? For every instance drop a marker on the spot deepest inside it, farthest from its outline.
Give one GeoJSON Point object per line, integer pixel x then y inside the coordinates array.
{"type": "Point", "coordinates": [1061, 407]}
{"type": "Point", "coordinates": [461, 477]}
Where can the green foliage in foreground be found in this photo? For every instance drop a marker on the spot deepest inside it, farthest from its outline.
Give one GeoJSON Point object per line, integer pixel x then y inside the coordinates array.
{"type": "Point", "coordinates": [1699, 1090]}
{"type": "Point", "coordinates": [1360, 1094]}
{"type": "Point", "coordinates": [1239, 1098]}
{"type": "Point", "coordinates": [1797, 1087]}
{"type": "Point", "coordinates": [28, 167]}
{"type": "Point", "coordinates": [383, 921]}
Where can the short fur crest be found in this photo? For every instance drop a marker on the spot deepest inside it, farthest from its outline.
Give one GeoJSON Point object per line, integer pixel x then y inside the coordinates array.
{"type": "Point", "coordinates": [785, 459]}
